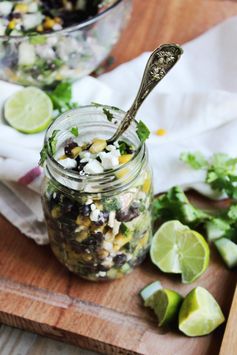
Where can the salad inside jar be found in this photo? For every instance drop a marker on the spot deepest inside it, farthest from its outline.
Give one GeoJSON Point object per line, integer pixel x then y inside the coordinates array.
{"type": "Point", "coordinates": [35, 49]}
{"type": "Point", "coordinates": [99, 235]}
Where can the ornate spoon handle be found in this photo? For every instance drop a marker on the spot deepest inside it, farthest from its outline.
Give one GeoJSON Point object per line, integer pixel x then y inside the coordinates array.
{"type": "Point", "coordinates": [159, 64]}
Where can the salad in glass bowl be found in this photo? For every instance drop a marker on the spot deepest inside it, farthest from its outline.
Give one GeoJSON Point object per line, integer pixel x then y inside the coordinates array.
{"type": "Point", "coordinates": [45, 41]}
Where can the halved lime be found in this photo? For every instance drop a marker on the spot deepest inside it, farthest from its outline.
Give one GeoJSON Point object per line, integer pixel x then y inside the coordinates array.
{"type": "Point", "coordinates": [177, 249]}
{"type": "Point", "coordinates": [29, 110]}
{"type": "Point", "coordinates": [166, 305]}
{"type": "Point", "coordinates": [199, 314]}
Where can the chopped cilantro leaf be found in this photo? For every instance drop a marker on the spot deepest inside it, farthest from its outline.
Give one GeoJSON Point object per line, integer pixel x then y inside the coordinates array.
{"type": "Point", "coordinates": [74, 131]}
{"type": "Point", "coordinates": [196, 160]}
{"type": "Point", "coordinates": [61, 97]}
{"type": "Point", "coordinates": [142, 131]}
{"type": "Point", "coordinates": [49, 147]}
{"type": "Point", "coordinates": [124, 229]}
{"type": "Point", "coordinates": [111, 204]}
{"type": "Point", "coordinates": [125, 148]}
{"type": "Point", "coordinates": [37, 39]}
{"type": "Point", "coordinates": [96, 104]}
{"type": "Point", "coordinates": [108, 114]}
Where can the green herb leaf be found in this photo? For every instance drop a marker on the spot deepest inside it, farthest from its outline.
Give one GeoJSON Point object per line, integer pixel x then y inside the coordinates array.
{"type": "Point", "coordinates": [74, 131]}
{"type": "Point", "coordinates": [96, 104]}
{"type": "Point", "coordinates": [124, 229]}
{"type": "Point", "coordinates": [125, 148]}
{"type": "Point", "coordinates": [61, 97]}
{"type": "Point", "coordinates": [142, 131]}
{"type": "Point", "coordinates": [108, 114]}
{"type": "Point", "coordinates": [175, 205]}
{"type": "Point", "coordinates": [196, 160]}
{"type": "Point", "coordinates": [49, 147]}
{"type": "Point", "coordinates": [40, 39]}
{"type": "Point", "coordinates": [111, 204]}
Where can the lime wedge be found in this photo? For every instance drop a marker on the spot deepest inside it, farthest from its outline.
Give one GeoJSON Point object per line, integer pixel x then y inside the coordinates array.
{"type": "Point", "coordinates": [29, 110]}
{"type": "Point", "coordinates": [200, 314]}
{"type": "Point", "coordinates": [166, 305]}
{"type": "Point", "coordinates": [147, 292]}
{"type": "Point", "coordinates": [177, 249]}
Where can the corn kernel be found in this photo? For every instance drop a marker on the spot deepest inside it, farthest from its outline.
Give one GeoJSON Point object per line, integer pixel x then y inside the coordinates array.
{"type": "Point", "coordinates": [122, 173]}
{"type": "Point", "coordinates": [63, 157]}
{"type": "Point", "coordinates": [123, 159]}
{"type": "Point", "coordinates": [49, 23]}
{"type": "Point", "coordinates": [21, 7]}
{"type": "Point", "coordinates": [120, 240]}
{"type": "Point", "coordinates": [146, 185]}
{"type": "Point", "coordinates": [58, 20]}
{"type": "Point", "coordinates": [98, 146]}
{"type": "Point", "coordinates": [161, 132]}
{"type": "Point", "coordinates": [56, 212]}
{"type": "Point", "coordinates": [12, 25]}
{"type": "Point", "coordinates": [76, 151]}
{"type": "Point", "coordinates": [39, 28]}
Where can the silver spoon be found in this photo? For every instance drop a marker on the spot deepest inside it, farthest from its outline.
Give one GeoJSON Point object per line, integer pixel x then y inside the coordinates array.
{"type": "Point", "coordinates": [159, 64]}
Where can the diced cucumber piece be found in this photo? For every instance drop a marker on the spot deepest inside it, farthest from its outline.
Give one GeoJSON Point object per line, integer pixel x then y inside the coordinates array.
{"type": "Point", "coordinates": [149, 290]}
{"type": "Point", "coordinates": [217, 228]}
{"type": "Point", "coordinates": [228, 251]}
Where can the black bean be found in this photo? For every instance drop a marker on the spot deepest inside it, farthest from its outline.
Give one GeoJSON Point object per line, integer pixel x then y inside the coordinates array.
{"type": "Point", "coordinates": [85, 210]}
{"type": "Point", "coordinates": [69, 147]}
{"type": "Point", "coordinates": [127, 215]}
{"type": "Point", "coordinates": [120, 259]}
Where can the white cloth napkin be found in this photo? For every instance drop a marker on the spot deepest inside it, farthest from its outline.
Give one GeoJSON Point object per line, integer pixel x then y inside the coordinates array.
{"type": "Point", "coordinates": [196, 104]}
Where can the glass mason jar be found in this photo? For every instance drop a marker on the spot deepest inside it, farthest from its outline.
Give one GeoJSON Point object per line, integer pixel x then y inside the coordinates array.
{"type": "Point", "coordinates": [119, 240]}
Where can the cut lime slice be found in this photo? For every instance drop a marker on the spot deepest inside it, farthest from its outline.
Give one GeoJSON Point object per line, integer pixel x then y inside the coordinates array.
{"type": "Point", "coordinates": [29, 110]}
{"type": "Point", "coordinates": [147, 292]}
{"type": "Point", "coordinates": [166, 305]}
{"type": "Point", "coordinates": [200, 314]}
{"type": "Point", "coordinates": [228, 251]}
{"type": "Point", "coordinates": [177, 249]}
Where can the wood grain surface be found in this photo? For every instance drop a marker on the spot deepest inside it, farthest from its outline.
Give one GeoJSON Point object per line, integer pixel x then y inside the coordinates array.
{"type": "Point", "coordinates": [40, 295]}
{"type": "Point", "coordinates": [229, 344]}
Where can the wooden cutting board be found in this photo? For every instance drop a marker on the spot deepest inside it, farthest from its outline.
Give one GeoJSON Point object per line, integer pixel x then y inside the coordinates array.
{"type": "Point", "coordinates": [229, 344]}
{"type": "Point", "coordinates": [39, 294]}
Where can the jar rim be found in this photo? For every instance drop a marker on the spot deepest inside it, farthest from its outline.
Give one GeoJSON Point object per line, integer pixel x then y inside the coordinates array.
{"type": "Point", "coordinates": [92, 178]}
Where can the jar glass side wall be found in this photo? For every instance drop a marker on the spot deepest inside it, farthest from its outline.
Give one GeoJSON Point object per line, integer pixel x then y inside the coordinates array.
{"type": "Point", "coordinates": [100, 238]}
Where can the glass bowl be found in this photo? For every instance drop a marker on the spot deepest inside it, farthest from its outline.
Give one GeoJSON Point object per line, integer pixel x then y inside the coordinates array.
{"type": "Point", "coordinates": [45, 59]}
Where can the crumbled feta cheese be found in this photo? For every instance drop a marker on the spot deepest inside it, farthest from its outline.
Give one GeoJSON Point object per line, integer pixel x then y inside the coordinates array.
{"type": "Point", "coordinates": [32, 7]}
{"type": "Point", "coordinates": [5, 8]}
{"type": "Point", "coordinates": [68, 163]}
{"type": "Point", "coordinates": [111, 219]}
{"type": "Point", "coordinates": [31, 20]}
{"type": "Point", "coordinates": [93, 167]}
{"type": "Point", "coordinates": [116, 227]}
{"type": "Point", "coordinates": [95, 215]}
{"type": "Point", "coordinates": [108, 160]}
{"type": "Point", "coordinates": [110, 147]}
{"type": "Point", "coordinates": [45, 52]}
{"type": "Point", "coordinates": [26, 54]}
{"type": "Point", "coordinates": [57, 27]}
{"type": "Point", "coordinates": [101, 274]}
{"type": "Point", "coordinates": [107, 262]}
{"type": "Point", "coordinates": [108, 246]}
{"type": "Point", "coordinates": [93, 207]}
{"type": "Point", "coordinates": [89, 201]}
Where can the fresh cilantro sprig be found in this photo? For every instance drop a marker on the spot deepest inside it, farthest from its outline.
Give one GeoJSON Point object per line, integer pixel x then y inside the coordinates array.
{"type": "Point", "coordinates": [142, 131]}
{"type": "Point", "coordinates": [221, 171]}
{"type": "Point", "coordinates": [49, 147]}
{"type": "Point", "coordinates": [74, 131]}
{"type": "Point", "coordinates": [61, 97]}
